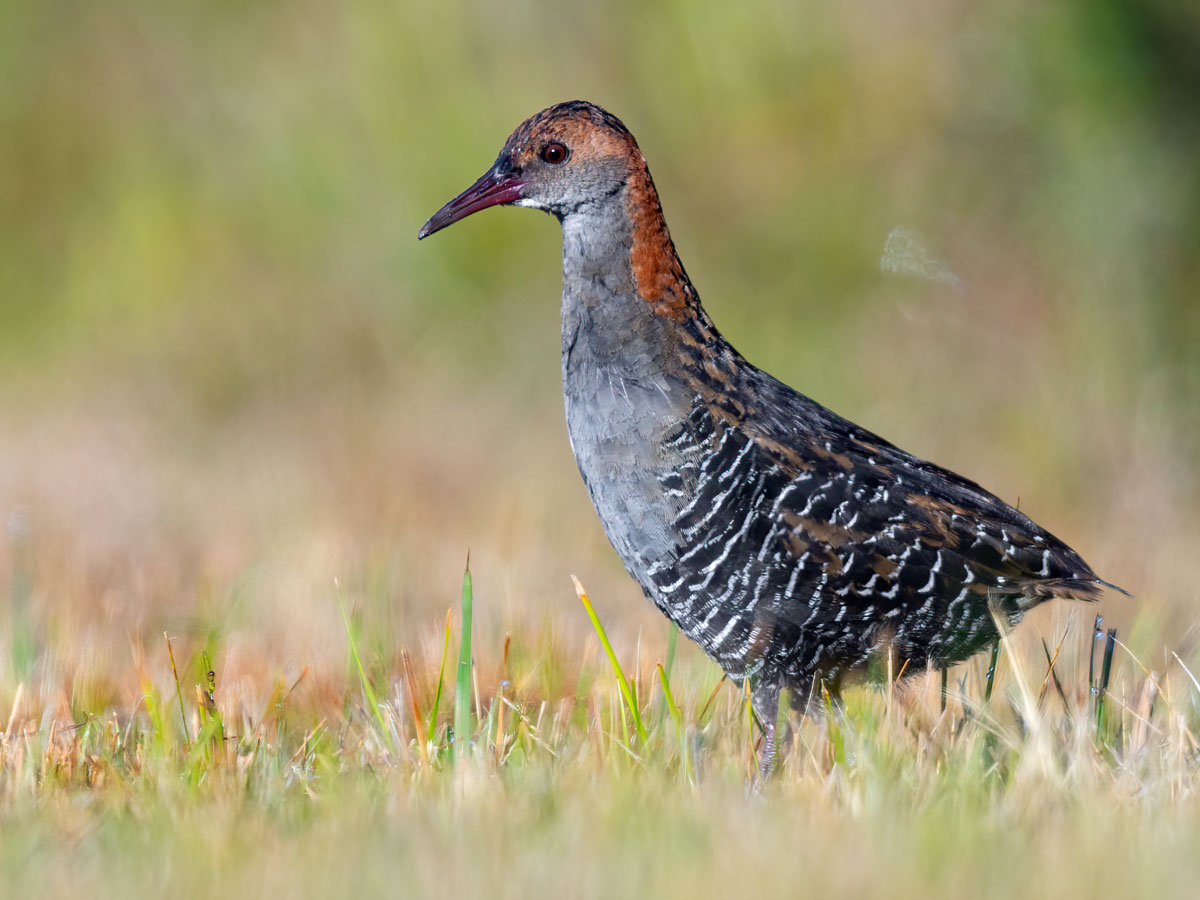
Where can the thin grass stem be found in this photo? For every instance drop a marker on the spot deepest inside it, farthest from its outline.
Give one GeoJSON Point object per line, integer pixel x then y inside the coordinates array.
{"type": "Point", "coordinates": [626, 691]}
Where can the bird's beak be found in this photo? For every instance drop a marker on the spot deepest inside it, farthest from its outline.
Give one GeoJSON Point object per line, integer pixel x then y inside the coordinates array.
{"type": "Point", "coordinates": [495, 187]}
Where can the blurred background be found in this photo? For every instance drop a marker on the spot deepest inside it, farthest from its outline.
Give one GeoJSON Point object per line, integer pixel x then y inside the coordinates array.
{"type": "Point", "coordinates": [232, 383]}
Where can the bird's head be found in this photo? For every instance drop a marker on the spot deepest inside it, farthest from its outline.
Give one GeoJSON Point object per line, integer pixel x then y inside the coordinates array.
{"type": "Point", "coordinates": [560, 160]}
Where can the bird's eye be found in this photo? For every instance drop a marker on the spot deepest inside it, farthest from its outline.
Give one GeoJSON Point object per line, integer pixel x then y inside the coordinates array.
{"type": "Point", "coordinates": [554, 153]}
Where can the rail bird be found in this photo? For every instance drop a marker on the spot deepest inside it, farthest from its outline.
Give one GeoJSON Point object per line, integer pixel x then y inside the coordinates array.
{"type": "Point", "coordinates": [790, 544]}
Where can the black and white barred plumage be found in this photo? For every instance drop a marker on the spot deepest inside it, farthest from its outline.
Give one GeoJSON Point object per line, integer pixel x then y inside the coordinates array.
{"type": "Point", "coordinates": [806, 543]}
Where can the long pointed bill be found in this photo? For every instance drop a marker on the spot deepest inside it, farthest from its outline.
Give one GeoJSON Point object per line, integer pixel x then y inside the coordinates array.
{"type": "Point", "coordinates": [492, 189]}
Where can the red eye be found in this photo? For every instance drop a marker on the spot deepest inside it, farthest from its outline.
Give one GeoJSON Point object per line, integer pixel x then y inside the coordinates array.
{"type": "Point", "coordinates": [554, 153]}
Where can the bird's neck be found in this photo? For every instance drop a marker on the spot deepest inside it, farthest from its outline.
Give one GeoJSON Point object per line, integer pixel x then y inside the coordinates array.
{"type": "Point", "coordinates": [624, 287]}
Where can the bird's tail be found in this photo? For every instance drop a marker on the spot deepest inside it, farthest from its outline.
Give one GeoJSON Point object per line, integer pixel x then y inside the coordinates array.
{"type": "Point", "coordinates": [1085, 588]}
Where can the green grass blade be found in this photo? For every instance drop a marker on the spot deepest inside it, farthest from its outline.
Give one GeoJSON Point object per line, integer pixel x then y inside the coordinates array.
{"type": "Point", "coordinates": [677, 716]}
{"type": "Point", "coordinates": [626, 692]}
{"type": "Point", "coordinates": [672, 707]}
{"type": "Point", "coordinates": [462, 680]}
{"type": "Point", "coordinates": [437, 697]}
{"type": "Point", "coordinates": [833, 730]}
{"type": "Point", "coordinates": [178, 691]}
{"type": "Point", "coordinates": [672, 640]}
{"type": "Point", "coordinates": [368, 691]}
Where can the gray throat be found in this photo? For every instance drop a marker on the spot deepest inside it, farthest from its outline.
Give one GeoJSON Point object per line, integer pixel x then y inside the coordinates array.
{"type": "Point", "coordinates": [600, 302]}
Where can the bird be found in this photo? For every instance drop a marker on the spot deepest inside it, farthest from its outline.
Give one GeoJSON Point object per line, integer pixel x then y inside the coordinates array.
{"type": "Point", "coordinates": [792, 545]}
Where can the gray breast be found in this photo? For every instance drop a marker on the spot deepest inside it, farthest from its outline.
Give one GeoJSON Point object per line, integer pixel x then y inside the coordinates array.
{"type": "Point", "coordinates": [622, 405]}
{"type": "Point", "coordinates": [618, 419]}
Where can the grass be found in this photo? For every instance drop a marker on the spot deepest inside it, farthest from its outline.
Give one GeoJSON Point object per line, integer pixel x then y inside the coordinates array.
{"type": "Point", "coordinates": [599, 789]}
{"type": "Point", "coordinates": [463, 679]}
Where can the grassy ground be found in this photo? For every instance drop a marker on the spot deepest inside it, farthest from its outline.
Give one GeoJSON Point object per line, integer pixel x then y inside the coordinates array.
{"type": "Point", "coordinates": [237, 397]}
{"type": "Point", "coordinates": [1048, 788]}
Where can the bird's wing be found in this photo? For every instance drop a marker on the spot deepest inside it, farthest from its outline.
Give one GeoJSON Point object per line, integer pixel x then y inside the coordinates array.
{"type": "Point", "coordinates": [897, 528]}
{"type": "Point", "coordinates": [833, 535]}
{"type": "Point", "coordinates": [855, 492]}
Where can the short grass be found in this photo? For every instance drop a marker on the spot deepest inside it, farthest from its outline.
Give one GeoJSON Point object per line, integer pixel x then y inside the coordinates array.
{"type": "Point", "coordinates": [1070, 769]}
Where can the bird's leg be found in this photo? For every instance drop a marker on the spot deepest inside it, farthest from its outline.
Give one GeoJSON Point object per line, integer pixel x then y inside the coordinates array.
{"type": "Point", "coordinates": [766, 751]}
{"type": "Point", "coordinates": [766, 706]}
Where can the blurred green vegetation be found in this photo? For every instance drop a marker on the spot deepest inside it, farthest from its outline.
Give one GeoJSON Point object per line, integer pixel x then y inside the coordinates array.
{"type": "Point", "coordinates": [226, 195]}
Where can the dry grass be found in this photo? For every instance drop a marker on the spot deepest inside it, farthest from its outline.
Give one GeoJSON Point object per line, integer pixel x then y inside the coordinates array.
{"type": "Point", "coordinates": [1035, 791]}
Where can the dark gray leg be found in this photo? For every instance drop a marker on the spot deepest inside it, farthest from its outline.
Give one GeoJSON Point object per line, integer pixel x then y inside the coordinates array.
{"type": "Point", "coordinates": [766, 706]}
{"type": "Point", "coordinates": [766, 751]}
